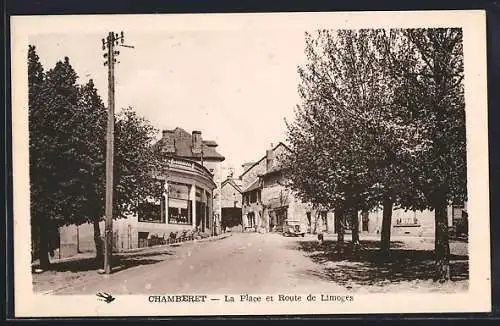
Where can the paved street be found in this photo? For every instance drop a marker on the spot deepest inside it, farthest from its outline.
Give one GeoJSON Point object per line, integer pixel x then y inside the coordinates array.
{"type": "Point", "coordinates": [243, 262]}
{"type": "Point", "coordinates": [264, 263]}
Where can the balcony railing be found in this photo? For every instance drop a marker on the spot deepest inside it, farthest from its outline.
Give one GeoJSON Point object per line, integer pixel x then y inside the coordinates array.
{"type": "Point", "coordinates": [189, 166]}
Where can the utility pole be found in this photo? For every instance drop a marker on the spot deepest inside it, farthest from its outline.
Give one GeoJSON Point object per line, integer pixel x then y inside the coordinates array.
{"type": "Point", "coordinates": [112, 40]}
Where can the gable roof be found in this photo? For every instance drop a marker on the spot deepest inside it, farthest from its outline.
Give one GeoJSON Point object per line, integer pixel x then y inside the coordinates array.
{"type": "Point", "coordinates": [183, 144]}
{"type": "Point", "coordinates": [263, 158]}
{"type": "Point", "coordinates": [232, 183]}
{"type": "Point", "coordinates": [273, 170]}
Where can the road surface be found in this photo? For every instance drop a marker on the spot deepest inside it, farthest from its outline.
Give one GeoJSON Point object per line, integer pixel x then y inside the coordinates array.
{"type": "Point", "coordinates": [241, 263]}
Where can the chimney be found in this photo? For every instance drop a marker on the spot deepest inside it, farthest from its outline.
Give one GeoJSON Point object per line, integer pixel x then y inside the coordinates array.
{"type": "Point", "coordinates": [168, 137]}
{"type": "Point", "coordinates": [196, 142]}
{"type": "Point", "coordinates": [269, 158]}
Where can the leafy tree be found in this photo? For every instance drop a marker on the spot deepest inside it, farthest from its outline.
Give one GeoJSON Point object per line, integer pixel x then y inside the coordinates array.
{"type": "Point", "coordinates": [67, 126]}
{"type": "Point", "coordinates": [433, 95]}
{"type": "Point", "coordinates": [38, 202]}
{"type": "Point", "coordinates": [53, 97]}
{"type": "Point", "coordinates": [345, 93]}
{"type": "Point", "coordinates": [90, 147]}
{"type": "Point", "coordinates": [382, 121]}
{"type": "Point", "coordinates": [138, 166]}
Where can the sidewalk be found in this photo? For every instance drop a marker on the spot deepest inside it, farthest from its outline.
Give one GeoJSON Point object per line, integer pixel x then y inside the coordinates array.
{"type": "Point", "coordinates": [131, 252]}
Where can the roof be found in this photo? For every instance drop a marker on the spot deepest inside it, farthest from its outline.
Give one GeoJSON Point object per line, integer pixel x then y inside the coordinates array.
{"type": "Point", "coordinates": [263, 158]}
{"type": "Point", "coordinates": [232, 183]}
{"type": "Point", "coordinates": [210, 143]}
{"type": "Point", "coordinates": [254, 185]}
{"type": "Point", "coordinates": [273, 170]}
{"type": "Point", "coordinates": [183, 145]}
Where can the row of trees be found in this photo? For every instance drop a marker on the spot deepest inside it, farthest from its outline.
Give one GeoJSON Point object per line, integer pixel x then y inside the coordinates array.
{"type": "Point", "coordinates": [67, 145]}
{"type": "Point", "coordinates": [382, 124]}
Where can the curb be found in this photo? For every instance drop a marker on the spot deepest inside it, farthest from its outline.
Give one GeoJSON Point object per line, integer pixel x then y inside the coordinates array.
{"type": "Point", "coordinates": [140, 250]}
{"type": "Point", "coordinates": [153, 248]}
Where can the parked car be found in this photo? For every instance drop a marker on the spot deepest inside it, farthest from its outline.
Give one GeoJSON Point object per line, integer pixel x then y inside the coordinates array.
{"type": "Point", "coordinates": [294, 229]}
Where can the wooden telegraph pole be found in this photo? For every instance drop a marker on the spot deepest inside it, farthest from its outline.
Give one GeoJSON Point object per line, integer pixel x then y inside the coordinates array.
{"type": "Point", "coordinates": [112, 40]}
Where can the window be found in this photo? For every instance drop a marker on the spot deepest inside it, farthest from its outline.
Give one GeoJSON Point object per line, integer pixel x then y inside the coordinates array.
{"type": "Point", "coordinates": [179, 211]}
{"type": "Point", "coordinates": [142, 239]}
{"type": "Point", "coordinates": [457, 212]}
{"type": "Point", "coordinates": [253, 197]}
{"type": "Point", "coordinates": [151, 212]}
{"type": "Point", "coordinates": [408, 221]}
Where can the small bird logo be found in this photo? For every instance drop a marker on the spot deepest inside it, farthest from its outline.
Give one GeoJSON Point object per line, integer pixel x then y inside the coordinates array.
{"type": "Point", "coordinates": [106, 297]}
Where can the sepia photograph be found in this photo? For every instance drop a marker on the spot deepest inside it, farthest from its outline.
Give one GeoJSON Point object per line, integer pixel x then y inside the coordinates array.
{"type": "Point", "coordinates": [250, 164]}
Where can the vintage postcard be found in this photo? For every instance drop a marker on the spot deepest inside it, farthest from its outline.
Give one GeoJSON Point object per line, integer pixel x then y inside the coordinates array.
{"type": "Point", "coordinates": [250, 164]}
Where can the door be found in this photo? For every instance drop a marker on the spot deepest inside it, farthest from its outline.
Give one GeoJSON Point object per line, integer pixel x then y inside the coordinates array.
{"type": "Point", "coordinates": [364, 221]}
{"type": "Point", "coordinates": [281, 216]}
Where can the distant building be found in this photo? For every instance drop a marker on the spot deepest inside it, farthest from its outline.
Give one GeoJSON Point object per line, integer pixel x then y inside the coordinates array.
{"type": "Point", "coordinates": [415, 223]}
{"type": "Point", "coordinates": [268, 202]}
{"type": "Point", "coordinates": [230, 203]}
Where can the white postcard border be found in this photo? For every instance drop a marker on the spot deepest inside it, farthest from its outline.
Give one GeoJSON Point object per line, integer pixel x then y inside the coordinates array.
{"type": "Point", "coordinates": [477, 299]}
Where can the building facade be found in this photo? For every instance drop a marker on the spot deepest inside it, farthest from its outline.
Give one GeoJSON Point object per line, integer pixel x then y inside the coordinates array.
{"type": "Point", "coordinates": [415, 223]}
{"type": "Point", "coordinates": [268, 202]}
{"type": "Point", "coordinates": [187, 203]}
{"type": "Point", "coordinates": [230, 203]}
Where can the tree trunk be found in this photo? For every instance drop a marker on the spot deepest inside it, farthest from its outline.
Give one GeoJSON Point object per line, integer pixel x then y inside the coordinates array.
{"type": "Point", "coordinates": [385, 239]}
{"type": "Point", "coordinates": [442, 246]}
{"type": "Point", "coordinates": [43, 250]}
{"type": "Point", "coordinates": [355, 226]}
{"type": "Point", "coordinates": [339, 218]}
{"type": "Point", "coordinates": [99, 245]}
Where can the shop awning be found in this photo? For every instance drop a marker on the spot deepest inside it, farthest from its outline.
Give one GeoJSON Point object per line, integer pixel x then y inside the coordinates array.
{"type": "Point", "coordinates": [177, 203]}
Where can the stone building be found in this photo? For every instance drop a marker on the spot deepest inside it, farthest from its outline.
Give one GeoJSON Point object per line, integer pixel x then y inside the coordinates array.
{"type": "Point", "coordinates": [186, 204]}
{"type": "Point", "coordinates": [268, 202]}
{"type": "Point", "coordinates": [230, 203]}
{"type": "Point", "coordinates": [181, 144]}
{"type": "Point", "coordinates": [414, 223]}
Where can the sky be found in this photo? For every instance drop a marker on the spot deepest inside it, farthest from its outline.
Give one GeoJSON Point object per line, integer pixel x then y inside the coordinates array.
{"type": "Point", "coordinates": [236, 86]}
